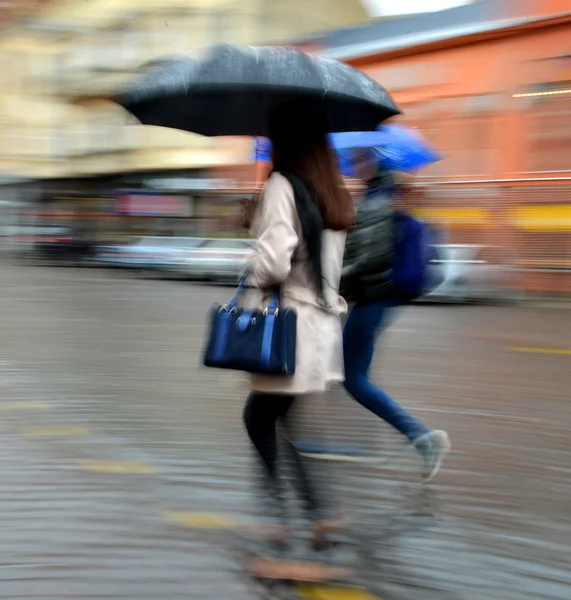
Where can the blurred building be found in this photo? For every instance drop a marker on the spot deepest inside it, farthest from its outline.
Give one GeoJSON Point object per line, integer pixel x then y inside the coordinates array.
{"type": "Point", "coordinates": [489, 84]}
{"type": "Point", "coordinates": [69, 48]}
{"type": "Point", "coordinates": [55, 52]}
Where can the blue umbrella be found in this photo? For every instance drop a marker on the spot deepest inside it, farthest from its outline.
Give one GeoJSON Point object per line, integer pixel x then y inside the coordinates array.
{"type": "Point", "coordinates": [397, 148]}
{"type": "Point", "coordinates": [262, 150]}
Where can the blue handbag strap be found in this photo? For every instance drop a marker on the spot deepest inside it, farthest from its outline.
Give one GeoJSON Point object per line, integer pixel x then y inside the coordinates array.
{"type": "Point", "coordinates": [241, 285]}
{"type": "Point", "coordinates": [274, 299]}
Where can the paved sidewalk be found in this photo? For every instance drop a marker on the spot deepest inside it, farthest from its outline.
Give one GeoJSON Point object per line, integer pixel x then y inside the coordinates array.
{"type": "Point", "coordinates": [124, 465]}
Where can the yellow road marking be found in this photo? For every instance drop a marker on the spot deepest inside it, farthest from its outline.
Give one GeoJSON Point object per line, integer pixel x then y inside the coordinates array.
{"type": "Point", "coordinates": [560, 351]}
{"type": "Point", "coordinates": [337, 592]}
{"type": "Point", "coordinates": [55, 431]}
{"type": "Point", "coordinates": [23, 405]}
{"type": "Point", "coordinates": [199, 520]}
{"type": "Point", "coordinates": [117, 467]}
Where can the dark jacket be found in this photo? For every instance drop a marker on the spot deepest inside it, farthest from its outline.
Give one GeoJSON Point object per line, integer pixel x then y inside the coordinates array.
{"type": "Point", "coordinates": [367, 263]}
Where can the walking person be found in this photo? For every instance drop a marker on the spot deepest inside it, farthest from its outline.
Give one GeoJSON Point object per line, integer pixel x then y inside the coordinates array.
{"type": "Point", "coordinates": [300, 224]}
{"type": "Point", "coordinates": [368, 281]}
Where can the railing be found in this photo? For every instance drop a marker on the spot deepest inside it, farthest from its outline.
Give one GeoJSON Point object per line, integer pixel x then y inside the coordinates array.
{"type": "Point", "coordinates": [525, 222]}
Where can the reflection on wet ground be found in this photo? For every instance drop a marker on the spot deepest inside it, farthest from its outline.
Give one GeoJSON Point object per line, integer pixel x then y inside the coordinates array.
{"type": "Point", "coordinates": [125, 466]}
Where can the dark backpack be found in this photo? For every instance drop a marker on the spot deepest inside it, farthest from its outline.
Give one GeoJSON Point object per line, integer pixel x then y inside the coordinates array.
{"type": "Point", "coordinates": [388, 257]}
{"type": "Point", "coordinates": [368, 259]}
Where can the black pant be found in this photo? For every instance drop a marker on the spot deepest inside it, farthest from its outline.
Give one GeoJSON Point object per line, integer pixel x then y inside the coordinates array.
{"type": "Point", "coordinates": [261, 414]}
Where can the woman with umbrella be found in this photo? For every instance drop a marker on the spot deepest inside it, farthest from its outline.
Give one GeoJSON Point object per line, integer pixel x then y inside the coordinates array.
{"type": "Point", "coordinates": [296, 100]}
{"type": "Point", "coordinates": [301, 235]}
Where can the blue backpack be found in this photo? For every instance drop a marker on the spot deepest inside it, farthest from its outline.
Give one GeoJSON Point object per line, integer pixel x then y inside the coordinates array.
{"type": "Point", "coordinates": [413, 272]}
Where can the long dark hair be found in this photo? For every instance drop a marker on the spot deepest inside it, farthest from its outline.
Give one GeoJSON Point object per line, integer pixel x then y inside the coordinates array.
{"type": "Point", "coordinates": [301, 152]}
{"type": "Point", "coordinates": [300, 147]}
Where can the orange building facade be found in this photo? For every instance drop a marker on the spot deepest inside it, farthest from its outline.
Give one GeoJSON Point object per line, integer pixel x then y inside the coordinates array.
{"type": "Point", "coordinates": [497, 104]}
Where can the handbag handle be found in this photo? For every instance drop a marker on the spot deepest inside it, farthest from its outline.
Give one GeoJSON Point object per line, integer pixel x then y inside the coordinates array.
{"type": "Point", "coordinates": [275, 299]}
{"type": "Point", "coordinates": [233, 303]}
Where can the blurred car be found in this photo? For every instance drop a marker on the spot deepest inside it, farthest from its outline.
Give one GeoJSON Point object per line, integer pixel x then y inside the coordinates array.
{"type": "Point", "coordinates": [56, 242]}
{"type": "Point", "coordinates": [473, 272]}
{"type": "Point", "coordinates": [23, 239]}
{"type": "Point", "coordinates": [222, 260]}
{"type": "Point", "coordinates": [148, 253]}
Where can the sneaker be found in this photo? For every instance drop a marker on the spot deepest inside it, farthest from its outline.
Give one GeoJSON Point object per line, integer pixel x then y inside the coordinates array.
{"type": "Point", "coordinates": [433, 447]}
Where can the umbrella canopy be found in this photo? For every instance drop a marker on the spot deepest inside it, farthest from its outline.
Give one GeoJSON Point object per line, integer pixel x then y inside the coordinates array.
{"type": "Point", "coordinates": [400, 148]}
{"type": "Point", "coordinates": [397, 148]}
{"type": "Point", "coordinates": [231, 91]}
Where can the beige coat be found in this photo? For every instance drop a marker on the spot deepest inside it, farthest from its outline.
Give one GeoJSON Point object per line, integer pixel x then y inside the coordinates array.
{"type": "Point", "coordinates": [280, 258]}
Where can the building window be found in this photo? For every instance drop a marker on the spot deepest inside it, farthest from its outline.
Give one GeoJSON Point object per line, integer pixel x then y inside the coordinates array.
{"type": "Point", "coordinates": [547, 126]}
{"type": "Point", "coordinates": [461, 129]}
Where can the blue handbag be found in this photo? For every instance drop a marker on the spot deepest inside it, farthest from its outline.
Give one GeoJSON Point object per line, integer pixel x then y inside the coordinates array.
{"type": "Point", "coordinates": [253, 341]}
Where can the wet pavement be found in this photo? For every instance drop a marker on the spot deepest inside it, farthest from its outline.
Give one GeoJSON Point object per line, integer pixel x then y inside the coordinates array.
{"type": "Point", "coordinates": [124, 465]}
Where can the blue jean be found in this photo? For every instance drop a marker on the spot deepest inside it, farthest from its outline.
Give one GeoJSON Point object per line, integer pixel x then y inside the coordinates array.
{"type": "Point", "coordinates": [364, 324]}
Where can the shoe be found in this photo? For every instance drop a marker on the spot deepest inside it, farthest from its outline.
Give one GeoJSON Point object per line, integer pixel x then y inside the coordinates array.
{"type": "Point", "coordinates": [324, 531]}
{"type": "Point", "coordinates": [433, 447]}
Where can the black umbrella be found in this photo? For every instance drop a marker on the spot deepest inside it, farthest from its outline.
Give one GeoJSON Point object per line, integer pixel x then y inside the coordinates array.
{"type": "Point", "coordinates": [232, 89]}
